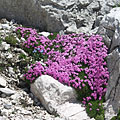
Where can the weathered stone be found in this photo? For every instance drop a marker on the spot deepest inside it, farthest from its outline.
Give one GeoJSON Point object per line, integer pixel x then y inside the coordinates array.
{"type": "Point", "coordinates": [5, 26]}
{"type": "Point", "coordinates": [7, 91]}
{"type": "Point", "coordinates": [58, 99]}
{"type": "Point", "coordinates": [110, 30]}
{"type": "Point", "coordinates": [4, 46]}
{"type": "Point", "coordinates": [72, 111]}
{"type": "Point", "coordinates": [9, 56]}
{"type": "Point", "coordinates": [44, 33]}
{"type": "Point", "coordinates": [2, 118]}
{"type": "Point", "coordinates": [54, 15]}
{"type": "Point", "coordinates": [51, 92]}
{"type": "Point", "coordinates": [7, 106]}
{"type": "Point", "coordinates": [11, 71]}
{"type": "Point", "coordinates": [2, 81]}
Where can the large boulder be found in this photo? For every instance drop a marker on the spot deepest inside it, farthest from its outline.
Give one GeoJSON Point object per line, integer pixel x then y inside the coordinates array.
{"type": "Point", "coordinates": [56, 15]}
{"type": "Point", "coordinates": [58, 99]}
{"type": "Point", "coordinates": [110, 30]}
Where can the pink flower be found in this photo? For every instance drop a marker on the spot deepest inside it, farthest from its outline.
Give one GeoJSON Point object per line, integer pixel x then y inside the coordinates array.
{"type": "Point", "coordinates": [97, 109]}
{"type": "Point", "coordinates": [90, 109]}
{"type": "Point", "coordinates": [76, 53]}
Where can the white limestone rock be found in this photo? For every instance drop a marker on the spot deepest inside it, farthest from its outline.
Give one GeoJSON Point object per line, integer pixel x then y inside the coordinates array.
{"type": "Point", "coordinates": [46, 34]}
{"type": "Point", "coordinates": [6, 26]}
{"type": "Point", "coordinates": [2, 82]}
{"type": "Point", "coordinates": [7, 91]}
{"type": "Point", "coordinates": [58, 99]}
{"type": "Point", "coordinates": [51, 92]}
{"type": "Point", "coordinates": [4, 46]}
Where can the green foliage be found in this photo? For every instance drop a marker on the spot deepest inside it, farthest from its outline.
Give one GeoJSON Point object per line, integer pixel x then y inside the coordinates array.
{"type": "Point", "coordinates": [22, 56]}
{"type": "Point", "coordinates": [99, 117]}
{"type": "Point", "coordinates": [29, 51]}
{"type": "Point", "coordinates": [11, 40]}
{"type": "Point", "coordinates": [84, 92]}
{"type": "Point", "coordinates": [1, 40]}
{"type": "Point", "coordinates": [114, 118]}
{"type": "Point", "coordinates": [38, 56]}
{"type": "Point", "coordinates": [95, 110]}
{"type": "Point", "coordinates": [18, 34]}
{"type": "Point", "coordinates": [52, 37]}
{"type": "Point", "coordinates": [1, 68]}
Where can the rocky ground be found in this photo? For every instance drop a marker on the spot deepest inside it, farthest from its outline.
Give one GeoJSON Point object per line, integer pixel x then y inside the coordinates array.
{"type": "Point", "coordinates": [16, 100]}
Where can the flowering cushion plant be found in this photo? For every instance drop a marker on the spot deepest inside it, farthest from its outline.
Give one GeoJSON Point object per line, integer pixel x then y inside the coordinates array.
{"type": "Point", "coordinates": [77, 60]}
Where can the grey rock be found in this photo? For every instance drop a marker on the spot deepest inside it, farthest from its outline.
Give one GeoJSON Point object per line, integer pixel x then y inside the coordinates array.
{"type": "Point", "coordinates": [22, 39]}
{"type": "Point", "coordinates": [44, 33]}
{"type": "Point", "coordinates": [54, 15]}
{"type": "Point", "coordinates": [20, 50]}
{"type": "Point", "coordinates": [51, 92]}
{"type": "Point", "coordinates": [25, 112]}
{"type": "Point", "coordinates": [7, 106]}
{"type": "Point", "coordinates": [2, 81]}
{"type": "Point", "coordinates": [2, 118]}
{"type": "Point", "coordinates": [15, 96]}
{"type": "Point", "coordinates": [0, 26]}
{"type": "Point", "coordinates": [58, 99]}
{"type": "Point", "coordinates": [110, 30]}
{"type": "Point", "coordinates": [6, 26]}
{"type": "Point", "coordinates": [3, 95]}
{"type": "Point", "coordinates": [9, 56]}
{"type": "Point", "coordinates": [4, 112]}
{"type": "Point", "coordinates": [4, 46]}
{"type": "Point", "coordinates": [109, 111]}
{"type": "Point", "coordinates": [7, 91]}
{"type": "Point", "coordinates": [11, 71]}
{"type": "Point", "coordinates": [72, 111]}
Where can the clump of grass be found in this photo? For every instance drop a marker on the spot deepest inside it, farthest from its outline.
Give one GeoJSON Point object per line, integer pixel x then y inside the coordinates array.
{"type": "Point", "coordinates": [1, 40]}
{"type": "Point", "coordinates": [22, 56]}
{"type": "Point", "coordinates": [52, 36]}
{"type": "Point", "coordinates": [100, 117]}
{"type": "Point", "coordinates": [11, 40]}
{"type": "Point", "coordinates": [95, 109]}
{"type": "Point", "coordinates": [1, 68]}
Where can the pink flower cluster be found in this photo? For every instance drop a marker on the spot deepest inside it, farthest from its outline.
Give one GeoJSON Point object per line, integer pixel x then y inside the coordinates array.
{"type": "Point", "coordinates": [68, 56]}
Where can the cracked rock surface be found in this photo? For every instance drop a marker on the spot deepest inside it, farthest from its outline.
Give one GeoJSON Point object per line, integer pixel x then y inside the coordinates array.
{"type": "Point", "coordinates": [56, 15]}
{"type": "Point", "coordinates": [110, 30]}
{"type": "Point", "coordinates": [58, 99]}
{"type": "Point", "coordinates": [16, 100]}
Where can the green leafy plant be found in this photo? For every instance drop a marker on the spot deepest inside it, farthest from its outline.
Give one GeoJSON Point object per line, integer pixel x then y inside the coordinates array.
{"type": "Point", "coordinates": [1, 40]}
{"type": "Point", "coordinates": [1, 68]}
{"type": "Point", "coordinates": [100, 117]}
{"type": "Point", "coordinates": [95, 109]}
{"type": "Point", "coordinates": [52, 36]}
{"type": "Point", "coordinates": [11, 40]}
{"type": "Point", "coordinates": [84, 77]}
{"type": "Point", "coordinates": [18, 34]}
{"type": "Point", "coordinates": [22, 56]}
